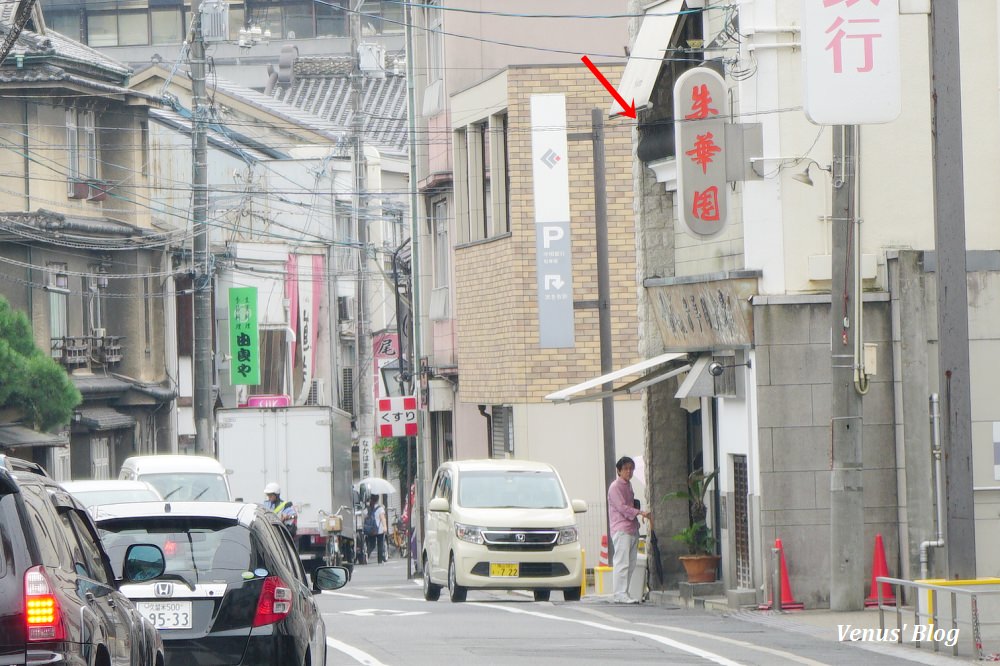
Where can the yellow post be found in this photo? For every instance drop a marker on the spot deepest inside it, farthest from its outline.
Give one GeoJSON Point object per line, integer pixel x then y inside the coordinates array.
{"type": "Point", "coordinates": [583, 568]}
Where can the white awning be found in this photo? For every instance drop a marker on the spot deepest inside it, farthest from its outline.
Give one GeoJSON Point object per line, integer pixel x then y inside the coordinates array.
{"type": "Point", "coordinates": [573, 393]}
{"type": "Point", "coordinates": [647, 54]}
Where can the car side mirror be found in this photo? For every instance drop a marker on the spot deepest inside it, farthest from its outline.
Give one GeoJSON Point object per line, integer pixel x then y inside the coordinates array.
{"type": "Point", "coordinates": [143, 562]}
{"type": "Point", "coordinates": [330, 578]}
{"type": "Point", "coordinates": [579, 506]}
{"type": "Point", "coordinates": [439, 504]}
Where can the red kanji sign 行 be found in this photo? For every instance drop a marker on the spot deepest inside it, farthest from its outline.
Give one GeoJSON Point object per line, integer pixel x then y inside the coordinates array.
{"type": "Point", "coordinates": [397, 417]}
{"type": "Point", "coordinates": [850, 61]}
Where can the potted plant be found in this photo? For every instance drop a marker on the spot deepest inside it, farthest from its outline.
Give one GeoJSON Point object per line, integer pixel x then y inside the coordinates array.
{"type": "Point", "coordinates": [701, 561]}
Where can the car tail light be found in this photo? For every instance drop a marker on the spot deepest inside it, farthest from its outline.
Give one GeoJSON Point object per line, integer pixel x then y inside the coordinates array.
{"type": "Point", "coordinates": [317, 540]}
{"type": "Point", "coordinates": [42, 614]}
{"type": "Point", "coordinates": [275, 602]}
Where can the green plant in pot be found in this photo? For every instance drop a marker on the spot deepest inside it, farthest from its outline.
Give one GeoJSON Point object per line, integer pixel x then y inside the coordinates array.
{"type": "Point", "coordinates": [701, 561]}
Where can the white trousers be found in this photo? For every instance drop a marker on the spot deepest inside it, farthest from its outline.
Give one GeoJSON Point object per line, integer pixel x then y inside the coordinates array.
{"type": "Point", "coordinates": [626, 550]}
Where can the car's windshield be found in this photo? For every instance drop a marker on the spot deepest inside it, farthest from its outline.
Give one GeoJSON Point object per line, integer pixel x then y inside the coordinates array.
{"type": "Point", "coordinates": [189, 486]}
{"type": "Point", "coordinates": [197, 549]}
{"type": "Point", "coordinates": [98, 497]}
{"type": "Point", "coordinates": [491, 489]}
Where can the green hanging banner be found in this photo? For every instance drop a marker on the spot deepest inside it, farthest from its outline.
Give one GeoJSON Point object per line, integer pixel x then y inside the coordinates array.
{"type": "Point", "coordinates": [244, 341]}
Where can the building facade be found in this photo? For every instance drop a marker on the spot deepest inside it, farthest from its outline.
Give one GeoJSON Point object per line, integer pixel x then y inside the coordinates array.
{"type": "Point", "coordinates": [81, 256]}
{"type": "Point", "coordinates": [766, 426]}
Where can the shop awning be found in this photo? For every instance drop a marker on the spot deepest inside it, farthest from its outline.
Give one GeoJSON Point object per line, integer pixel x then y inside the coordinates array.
{"type": "Point", "coordinates": [646, 56]}
{"type": "Point", "coordinates": [14, 436]}
{"type": "Point", "coordinates": [663, 367]}
{"type": "Point", "coordinates": [104, 418]}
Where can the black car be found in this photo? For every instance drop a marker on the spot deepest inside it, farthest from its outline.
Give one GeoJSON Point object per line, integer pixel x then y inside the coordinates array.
{"type": "Point", "coordinates": [59, 600]}
{"type": "Point", "coordinates": [233, 591]}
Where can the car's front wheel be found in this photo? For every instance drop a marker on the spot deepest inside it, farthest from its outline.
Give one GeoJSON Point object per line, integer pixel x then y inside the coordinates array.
{"type": "Point", "coordinates": [542, 595]}
{"type": "Point", "coordinates": [571, 594]}
{"type": "Point", "coordinates": [455, 591]}
{"type": "Point", "coordinates": [432, 592]}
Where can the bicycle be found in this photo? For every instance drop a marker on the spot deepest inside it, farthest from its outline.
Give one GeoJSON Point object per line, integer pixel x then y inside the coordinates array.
{"type": "Point", "coordinates": [398, 538]}
{"type": "Point", "coordinates": [332, 525]}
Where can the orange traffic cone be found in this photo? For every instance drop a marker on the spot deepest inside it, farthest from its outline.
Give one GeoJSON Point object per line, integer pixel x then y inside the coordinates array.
{"type": "Point", "coordinates": [787, 598]}
{"type": "Point", "coordinates": [604, 551]}
{"type": "Point", "coordinates": [880, 568]}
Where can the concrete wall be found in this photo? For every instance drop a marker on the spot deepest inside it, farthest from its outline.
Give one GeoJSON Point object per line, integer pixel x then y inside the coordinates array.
{"type": "Point", "coordinates": [793, 391]}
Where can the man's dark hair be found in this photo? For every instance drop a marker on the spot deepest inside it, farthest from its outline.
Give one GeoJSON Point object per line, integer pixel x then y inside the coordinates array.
{"type": "Point", "coordinates": [624, 460]}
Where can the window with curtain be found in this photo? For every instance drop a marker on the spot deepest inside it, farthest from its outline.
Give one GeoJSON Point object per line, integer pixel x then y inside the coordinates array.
{"type": "Point", "coordinates": [102, 29]}
{"type": "Point", "coordinates": [167, 25]}
{"type": "Point", "coordinates": [442, 248]}
{"type": "Point", "coordinates": [435, 41]}
{"type": "Point", "coordinates": [133, 28]}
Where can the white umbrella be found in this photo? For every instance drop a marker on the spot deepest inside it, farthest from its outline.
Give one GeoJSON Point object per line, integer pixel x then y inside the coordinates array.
{"type": "Point", "coordinates": [377, 485]}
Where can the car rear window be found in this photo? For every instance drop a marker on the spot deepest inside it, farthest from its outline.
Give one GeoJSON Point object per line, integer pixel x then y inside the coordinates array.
{"type": "Point", "coordinates": [200, 549]}
{"type": "Point", "coordinates": [98, 497]}
{"type": "Point", "coordinates": [189, 486]}
{"type": "Point", "coordinates": [495, 489]}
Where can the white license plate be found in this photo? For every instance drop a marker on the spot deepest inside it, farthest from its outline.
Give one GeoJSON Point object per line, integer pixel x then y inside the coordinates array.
{"type": "Point", "coordinates": [166, 614]}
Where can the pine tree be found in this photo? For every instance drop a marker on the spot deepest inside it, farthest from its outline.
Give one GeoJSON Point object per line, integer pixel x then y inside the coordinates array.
{"type": "Point", "coordinates": [32, 384]}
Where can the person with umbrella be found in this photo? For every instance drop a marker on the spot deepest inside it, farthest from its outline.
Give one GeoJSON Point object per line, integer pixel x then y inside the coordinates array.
{"type": "Point", "coordinates": [375, 528]}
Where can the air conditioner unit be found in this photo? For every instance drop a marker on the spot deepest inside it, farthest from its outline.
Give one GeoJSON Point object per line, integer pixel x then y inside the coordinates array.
{"type": "Point", "coordinates": [347, 329]}
{"type": "Point", "coordinates": [317, 395]}
{"type": "Point", "coordinates": [100, 332]}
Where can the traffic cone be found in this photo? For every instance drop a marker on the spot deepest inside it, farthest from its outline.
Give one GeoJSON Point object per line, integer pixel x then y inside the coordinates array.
{"type": "Point", "coordinates": [604, 551]}
{"type": "Point", "coordinates": [787, 598]}
{"type": "Point", "coordinates": [880, 568]}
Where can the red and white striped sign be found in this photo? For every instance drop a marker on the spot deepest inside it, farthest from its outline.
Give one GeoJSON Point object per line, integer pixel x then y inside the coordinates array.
{"type": "Point", "coordinates": [397, 417]}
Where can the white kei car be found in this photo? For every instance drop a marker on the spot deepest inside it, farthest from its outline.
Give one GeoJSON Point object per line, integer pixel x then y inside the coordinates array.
{"type": "Point", "coordinates": [501, 524]}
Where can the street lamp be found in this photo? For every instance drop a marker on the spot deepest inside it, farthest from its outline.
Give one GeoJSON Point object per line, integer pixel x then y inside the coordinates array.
{"type": "Point", "coordinates": [396, 378]}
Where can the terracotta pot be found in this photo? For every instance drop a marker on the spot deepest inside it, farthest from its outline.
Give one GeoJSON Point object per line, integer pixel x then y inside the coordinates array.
{"type": "Point", "coordinates": [700, 568]}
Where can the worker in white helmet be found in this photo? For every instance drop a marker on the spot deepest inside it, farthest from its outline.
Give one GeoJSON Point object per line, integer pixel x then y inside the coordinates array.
{"type": "Point", "coordinates": [282, 508]}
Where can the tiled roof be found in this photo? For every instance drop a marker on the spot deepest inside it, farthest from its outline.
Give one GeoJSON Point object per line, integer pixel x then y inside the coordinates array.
{"type": "Point", "coordinates": [70, 56]}
{"type": "Point", "coordinates": [321, 86]}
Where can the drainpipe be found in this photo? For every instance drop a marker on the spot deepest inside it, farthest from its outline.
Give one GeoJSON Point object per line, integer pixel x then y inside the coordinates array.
{"type": "Point", "coordinates": [938, 496]}
{"type": "Point", "coordinates": [489, 427]}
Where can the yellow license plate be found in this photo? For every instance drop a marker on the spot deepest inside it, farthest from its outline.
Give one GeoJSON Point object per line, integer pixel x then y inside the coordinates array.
{"type": "Point", "coordinates": [504, 570]}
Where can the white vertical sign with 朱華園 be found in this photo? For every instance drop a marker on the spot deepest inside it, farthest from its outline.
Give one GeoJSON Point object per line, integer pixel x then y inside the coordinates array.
{"type": "Point", "coordinates": [850, 61]}
{"type": "Point", "coordinates": [553, 250]}
{"type": "Point", "coordinates": [700, 137]}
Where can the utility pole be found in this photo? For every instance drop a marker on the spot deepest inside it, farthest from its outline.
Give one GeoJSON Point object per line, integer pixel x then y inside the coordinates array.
{"type": "Point", "coordinates": [359, 221]}
{"type": "Point", "coordinates": [604, 305]}
{"type": "Point", "coordinates": [203, 268]}
{"type": "Point", "coordinates": [847, 513]}
{"type": "Point", "coordinates": [952, 288]}
{"type": "Point", "coordinates": [415, 291]}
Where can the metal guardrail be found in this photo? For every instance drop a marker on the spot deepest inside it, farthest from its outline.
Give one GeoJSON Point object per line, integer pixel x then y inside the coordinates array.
{"type": "Point", "coordinates": [930, 619]}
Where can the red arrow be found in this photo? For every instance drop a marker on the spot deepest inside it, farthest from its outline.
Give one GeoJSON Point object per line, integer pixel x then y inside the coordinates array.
{"type": "Point", "coordinates": [627, 109]}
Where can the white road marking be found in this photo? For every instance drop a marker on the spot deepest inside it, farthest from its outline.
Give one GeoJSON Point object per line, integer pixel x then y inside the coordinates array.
{"type": "Point", "coordinates": [359, 656]}
{"type": "Point", "coordinates": [715, 637]}
{"type": "Point", "coordinates": [677, 645]}
{"type": "Point", "coordinates": [372, 612]}
{"type": "Point", "coordinates": [344, 594]}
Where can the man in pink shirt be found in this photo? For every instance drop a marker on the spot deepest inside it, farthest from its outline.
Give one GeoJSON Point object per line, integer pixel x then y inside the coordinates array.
{"type": "Point", "coordinates": [623, 518]}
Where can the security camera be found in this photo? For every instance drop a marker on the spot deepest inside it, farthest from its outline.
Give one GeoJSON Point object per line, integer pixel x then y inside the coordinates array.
{"type": "Point", "coordinates": [716, 369]}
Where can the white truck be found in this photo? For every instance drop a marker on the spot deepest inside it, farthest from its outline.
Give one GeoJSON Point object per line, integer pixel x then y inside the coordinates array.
{"type": "Point", "coordinates": [305, 450]}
